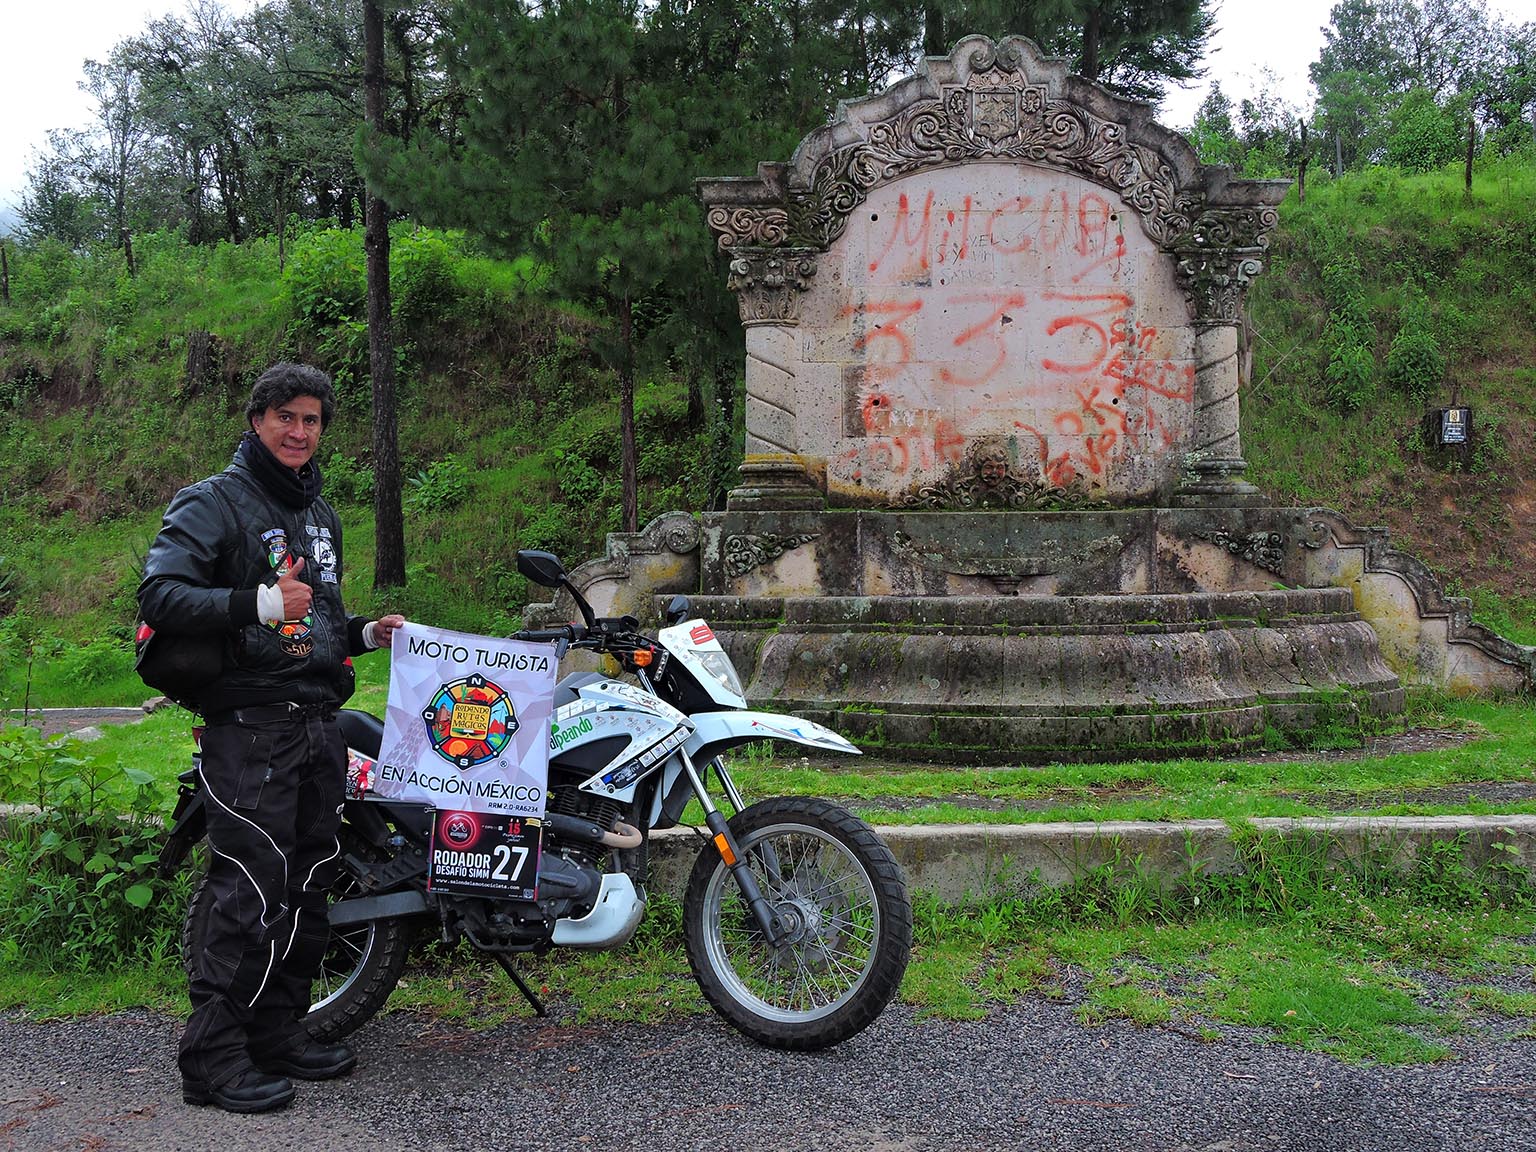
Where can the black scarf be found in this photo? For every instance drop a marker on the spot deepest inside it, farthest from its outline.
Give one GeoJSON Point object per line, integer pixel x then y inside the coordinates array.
{"type": "Point", "coordinates": [295, 489]}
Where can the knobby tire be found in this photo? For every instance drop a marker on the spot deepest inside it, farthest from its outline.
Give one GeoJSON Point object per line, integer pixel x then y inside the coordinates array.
{"type": "Point", "coordinates": [824, 866]}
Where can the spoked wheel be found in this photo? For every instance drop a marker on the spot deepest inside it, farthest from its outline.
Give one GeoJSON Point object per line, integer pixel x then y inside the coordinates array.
{"type": "Point", "coordinates": [844, 901]}
{"type": "Point", "coordinates": [362, 963]}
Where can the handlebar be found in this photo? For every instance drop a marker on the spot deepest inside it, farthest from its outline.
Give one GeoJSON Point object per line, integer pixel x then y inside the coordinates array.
{"type": "Point", "coordinates": [570, 633]}
{"type": "Point", "coordinates": [618, 634]}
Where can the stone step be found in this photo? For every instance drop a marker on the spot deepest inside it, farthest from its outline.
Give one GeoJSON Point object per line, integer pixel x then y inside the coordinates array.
{"type": "Point", "coordinates": [963, 862]}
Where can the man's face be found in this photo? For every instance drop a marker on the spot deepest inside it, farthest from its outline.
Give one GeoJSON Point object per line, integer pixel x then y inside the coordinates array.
{"type": "Point", "coordinates": [291, 432]}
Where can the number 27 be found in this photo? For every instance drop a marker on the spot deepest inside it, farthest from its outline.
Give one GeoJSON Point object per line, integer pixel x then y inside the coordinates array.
{"type": "Point", "coordinates": [504, 856]}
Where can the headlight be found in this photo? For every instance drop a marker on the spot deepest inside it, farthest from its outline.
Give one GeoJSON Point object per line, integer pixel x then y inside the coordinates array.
{"type": "Point", "coordinates": [719, 665]}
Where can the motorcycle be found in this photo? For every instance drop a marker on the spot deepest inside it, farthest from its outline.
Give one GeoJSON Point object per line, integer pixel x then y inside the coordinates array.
{"type": "Point", "coordinates": [796, 917]}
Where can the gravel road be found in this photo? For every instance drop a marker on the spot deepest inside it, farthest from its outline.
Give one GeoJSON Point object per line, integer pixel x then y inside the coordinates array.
{"type": "Point", "coordinates": [1030, 1077]}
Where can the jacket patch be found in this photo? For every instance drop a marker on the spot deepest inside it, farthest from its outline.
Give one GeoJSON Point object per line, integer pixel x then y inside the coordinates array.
{"type": "Point", "coordinates": [276, 541]}
{"type": "Point", "coordinates": [293, 636]}
{"type": "Point", "coordinates": [324, 552]}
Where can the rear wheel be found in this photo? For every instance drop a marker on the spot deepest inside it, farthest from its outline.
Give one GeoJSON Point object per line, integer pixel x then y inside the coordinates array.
{"type": "Point", "coordinates": [362, 962]}
{"type": "Point", "coordinates": [842, 896]}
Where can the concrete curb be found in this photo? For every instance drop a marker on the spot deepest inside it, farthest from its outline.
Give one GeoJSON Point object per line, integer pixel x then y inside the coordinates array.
{"type": "Point", "coordinates": [960, 862]}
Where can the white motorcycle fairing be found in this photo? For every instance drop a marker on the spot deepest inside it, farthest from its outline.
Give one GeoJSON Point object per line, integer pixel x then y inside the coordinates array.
{"type": "Point", "coordinates": [693, 644]}
{"type": "Point", "coordinates": [619, 908]}
{"type": "Point", "coordinates": [651, 728]}
{"type": "Point", "coordinates": [714, 732]}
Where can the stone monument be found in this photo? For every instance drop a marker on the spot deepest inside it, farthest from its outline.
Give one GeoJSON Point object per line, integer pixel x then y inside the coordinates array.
{"type": "Point", "coordinates": [993, 503]}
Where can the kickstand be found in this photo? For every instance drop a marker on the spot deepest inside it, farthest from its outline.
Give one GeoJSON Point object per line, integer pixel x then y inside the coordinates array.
{"type": "Point", "coordinates": [522, 985]}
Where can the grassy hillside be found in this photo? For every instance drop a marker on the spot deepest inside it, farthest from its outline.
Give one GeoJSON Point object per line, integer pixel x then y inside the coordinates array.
{"type": "Point", "coordinates": [509, 433]}
{"type": "Point", "coordinates": [116, 389]}
{"type": "Point", "coordinates": [1472, 263]}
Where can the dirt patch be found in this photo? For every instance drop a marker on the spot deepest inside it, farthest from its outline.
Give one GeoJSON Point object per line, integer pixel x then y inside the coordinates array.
{"type": "Point", "coordinates": [62, 721]}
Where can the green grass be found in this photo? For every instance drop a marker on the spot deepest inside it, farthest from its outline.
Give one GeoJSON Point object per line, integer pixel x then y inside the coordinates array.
{"type": "Point", "coordinates": [1370, 968]}
{"type": "Point", "coordinates": [50, 995]}
{"type": "Point", "coordinates": [1470, 257]}
{"type": "Point", "coordinates": [1349, 965]}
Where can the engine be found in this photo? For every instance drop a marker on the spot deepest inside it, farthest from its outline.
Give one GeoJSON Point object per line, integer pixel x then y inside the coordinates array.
{"type": "Point", "coordinates": [571, 801]}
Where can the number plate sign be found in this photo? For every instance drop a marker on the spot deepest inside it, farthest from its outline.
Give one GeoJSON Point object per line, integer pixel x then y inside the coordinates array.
{"type": "Point", "coordinates": [484, 854]}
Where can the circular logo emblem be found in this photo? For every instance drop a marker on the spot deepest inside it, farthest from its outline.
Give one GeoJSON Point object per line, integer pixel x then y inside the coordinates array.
{"type": "Point", "coordinates": [469, 721]}
{"type": "Point", "coordinates": [461, 829]}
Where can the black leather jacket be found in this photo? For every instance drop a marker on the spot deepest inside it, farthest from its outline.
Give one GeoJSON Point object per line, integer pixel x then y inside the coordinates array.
{"type": "Point", "coordinates": [224, 536]}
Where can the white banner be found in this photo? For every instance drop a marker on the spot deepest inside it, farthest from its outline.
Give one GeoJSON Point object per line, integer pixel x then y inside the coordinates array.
{"type": "Point", "coordinates": [467, 724]}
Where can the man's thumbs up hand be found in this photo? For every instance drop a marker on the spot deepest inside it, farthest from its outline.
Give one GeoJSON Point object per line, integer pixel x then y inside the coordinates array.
{"type": "Point", "coordinates": [297, 595]}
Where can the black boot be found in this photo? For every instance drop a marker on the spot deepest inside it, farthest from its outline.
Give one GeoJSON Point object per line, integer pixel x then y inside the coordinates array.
{"type": "Point", "coordinates": [313, 1061]}
{"type": "Point", "coordinates": [250, 1091]}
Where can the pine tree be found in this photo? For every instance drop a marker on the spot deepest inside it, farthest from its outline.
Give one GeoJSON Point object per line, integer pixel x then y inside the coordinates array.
{"type": "Point", "coordinates": [584, 128]}
{"type": "Point", "coordinates": [1132, 46]}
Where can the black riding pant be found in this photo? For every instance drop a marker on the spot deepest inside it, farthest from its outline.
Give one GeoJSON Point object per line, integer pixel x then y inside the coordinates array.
{"type": "Point", "coordinates": [274, 786]}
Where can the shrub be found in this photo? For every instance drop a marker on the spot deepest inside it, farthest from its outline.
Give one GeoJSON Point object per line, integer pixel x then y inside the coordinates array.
{"type": "Point", "coordinates": [1415, 363]}
{"type": "Point", "coordinates": [422, 285]}
{"type": "Point", "coordinates": [104, 658]}
{"type": "Point", "coordinates": [1351, 377]}
{"type": "Point", "coordinates": [1424, 135]}
{"type": "Point", "coordinates": [78, 890]}
{"type": "Point", "coordinates": [438, 487]}
{"type": "Point", "coordinates": [1348, 336]}
{"type": "Point", "coordinates": [326, 277]}
{"type": "Point", "coordinates": [348, 480]}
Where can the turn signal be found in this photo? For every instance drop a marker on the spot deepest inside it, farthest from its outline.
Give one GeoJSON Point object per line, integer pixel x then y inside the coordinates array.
{"type": "Point", "coordinates": [642, 657]}
{"type": "Point", "coordinates": [725, 850]}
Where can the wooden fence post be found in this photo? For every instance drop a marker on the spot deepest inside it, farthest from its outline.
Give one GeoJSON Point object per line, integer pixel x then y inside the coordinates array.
{"type": "Point", "coordinates": [1471, 149]}
{"type": "Point", "coordinates": [1301, 166]}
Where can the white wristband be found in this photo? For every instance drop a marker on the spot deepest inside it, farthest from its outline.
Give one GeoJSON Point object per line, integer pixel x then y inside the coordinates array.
{"type": "Point", "coordinates": [269, 604]}
{"type": "Point", "coordinates": [370, 637]}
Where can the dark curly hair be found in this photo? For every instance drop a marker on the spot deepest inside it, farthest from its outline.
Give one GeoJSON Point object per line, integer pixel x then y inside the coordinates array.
{"type": "Point", "coordinates": [282, 382]}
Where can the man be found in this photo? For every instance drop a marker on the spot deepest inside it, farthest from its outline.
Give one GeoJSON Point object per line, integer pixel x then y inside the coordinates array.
{"type": "Point", "coordinates": [254, 554]}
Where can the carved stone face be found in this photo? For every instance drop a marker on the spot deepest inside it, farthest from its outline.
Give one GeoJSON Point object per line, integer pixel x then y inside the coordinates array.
{"type": "Point", "coordinates": [992, 467]}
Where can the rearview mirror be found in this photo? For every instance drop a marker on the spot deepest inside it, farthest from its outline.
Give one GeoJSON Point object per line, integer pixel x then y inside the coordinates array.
{"type": "Point", "coordinates": [541, 567]}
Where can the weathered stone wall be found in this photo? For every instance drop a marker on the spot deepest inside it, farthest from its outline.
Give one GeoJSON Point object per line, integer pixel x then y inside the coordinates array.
{"type": "Point", "coordinates": [996, 310]}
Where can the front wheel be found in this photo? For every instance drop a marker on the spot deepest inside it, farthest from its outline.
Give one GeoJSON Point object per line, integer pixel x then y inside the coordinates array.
{"type": "Point", "coordinates": [844, 899]}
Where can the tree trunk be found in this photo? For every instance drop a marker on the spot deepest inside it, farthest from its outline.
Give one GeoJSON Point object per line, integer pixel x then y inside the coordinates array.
{"type": "Point", "coordinates": [389, 521]}
{"type": "Point", "coordinates": [5, 277]}
{"type": "Point", "coordinates": [282, 216]}
{"type": "Point", "coordinates": [933, 29]}
{"type": "Point", "coordinates": [695, 415]}
{"type": "Point", "coordinates": [194, 194]}
{"type": "Point", "coordinates": [201, 347]}
{"type": "Point", "coordinates": [725, 432]}
{"type": "Point", "coordinates": [628, 455]}
{"type": "Point", "coordinates": [1091, 34]}
{"type": "Point", "coordinates": [399, 30]}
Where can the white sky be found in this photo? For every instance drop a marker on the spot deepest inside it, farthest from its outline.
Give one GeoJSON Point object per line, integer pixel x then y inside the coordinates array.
{"type": "Point", "coordinates": [43, 44]}
{"type": "Point", "coordinates": [43, 48]}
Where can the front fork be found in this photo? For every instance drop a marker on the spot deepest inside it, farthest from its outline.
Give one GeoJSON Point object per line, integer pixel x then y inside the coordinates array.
{"type": "Point", "coordinates": [773, 928]}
